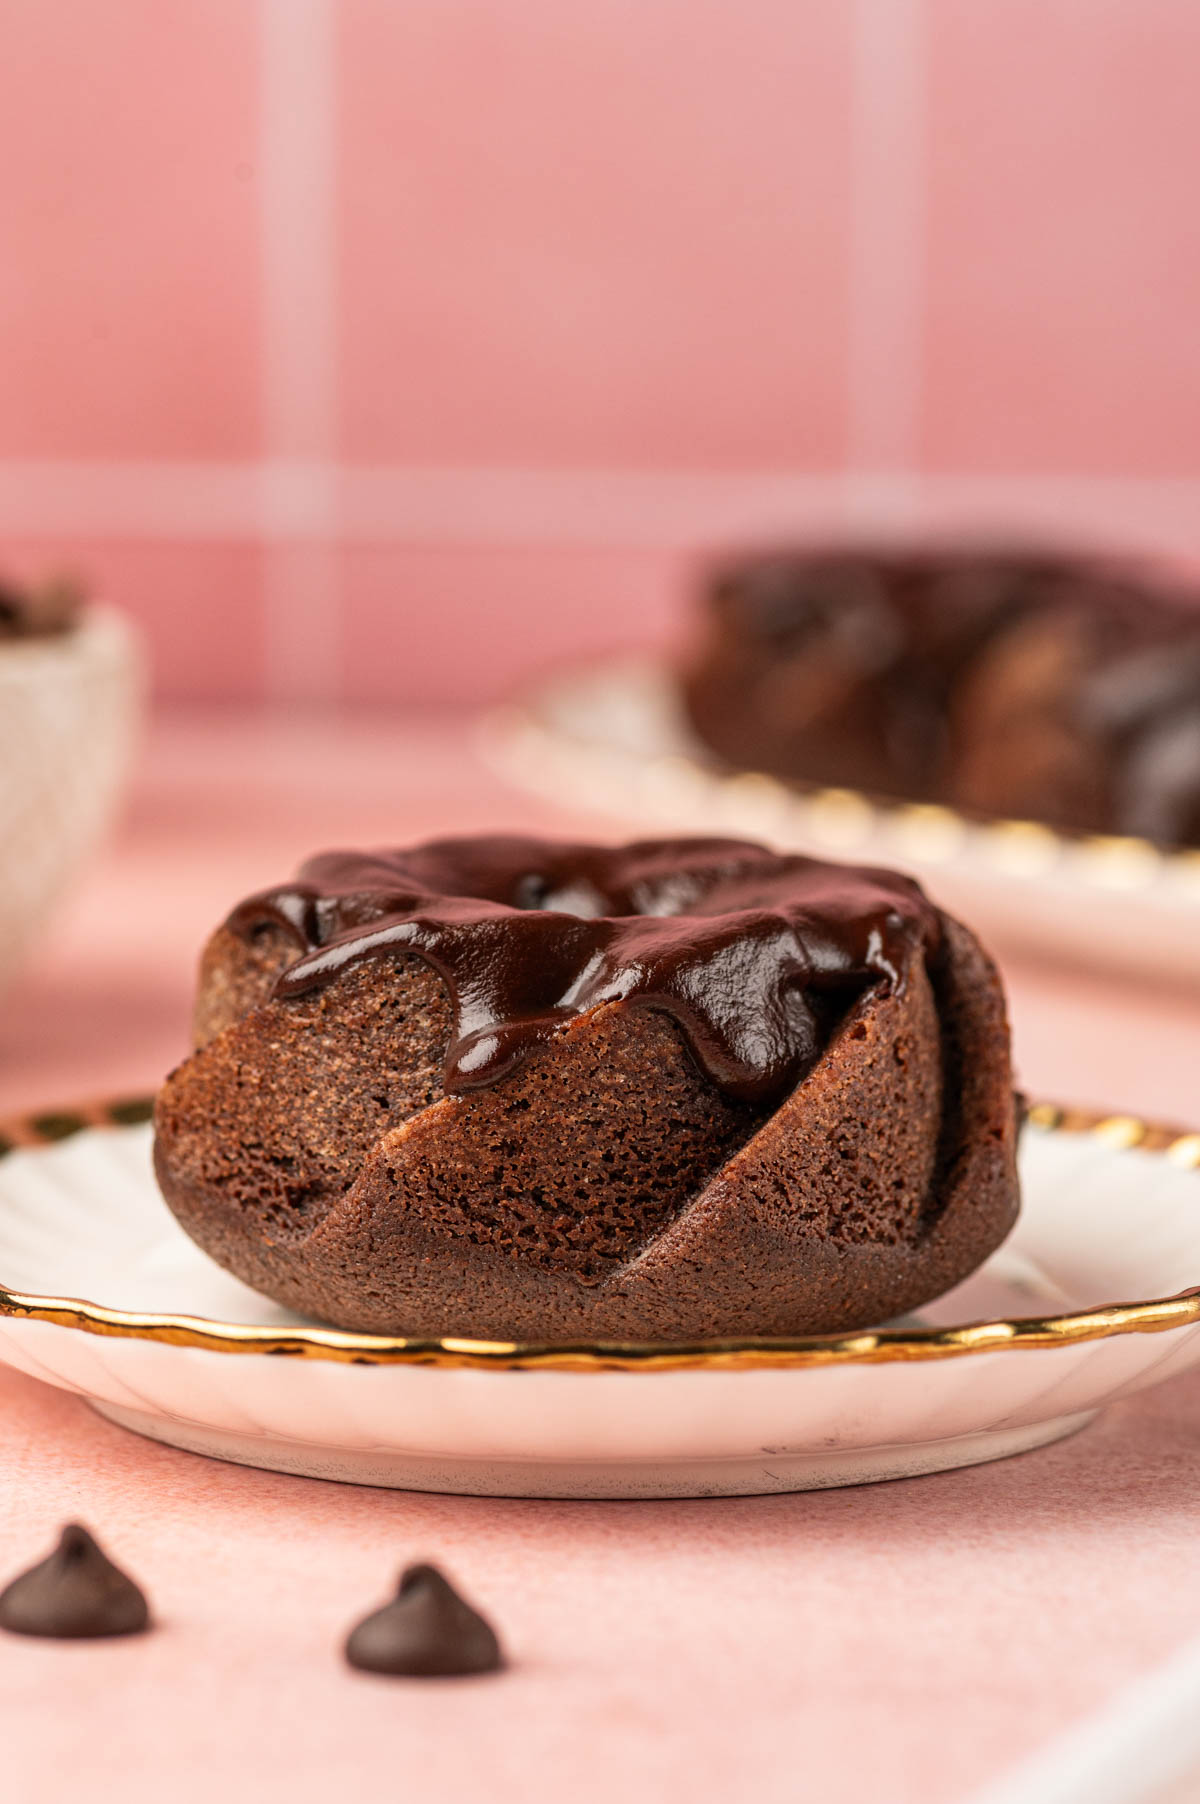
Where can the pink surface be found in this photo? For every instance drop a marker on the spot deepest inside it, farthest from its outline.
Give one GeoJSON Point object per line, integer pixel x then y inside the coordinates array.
{"type": "Point", "coordinates": [902, 1642]}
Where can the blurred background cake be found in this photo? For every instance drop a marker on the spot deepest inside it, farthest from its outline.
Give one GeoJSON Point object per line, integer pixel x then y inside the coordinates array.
{"type": "Point", "coordinates": [1003, 683]}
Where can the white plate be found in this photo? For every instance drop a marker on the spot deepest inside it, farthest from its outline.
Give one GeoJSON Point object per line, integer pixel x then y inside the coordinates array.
{"type": "Point", "coordinates": [167, 1344]}
{"type": "Point", "coordinates": [612, 736]}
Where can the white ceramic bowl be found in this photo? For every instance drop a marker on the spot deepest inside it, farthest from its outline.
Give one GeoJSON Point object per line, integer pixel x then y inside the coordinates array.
{"type": "Point", "coordinates": [69, 707]}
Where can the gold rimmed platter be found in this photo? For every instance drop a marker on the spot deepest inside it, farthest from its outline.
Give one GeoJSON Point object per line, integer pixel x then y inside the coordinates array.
{"type": "Point", "coordinates": [1093, 1296]}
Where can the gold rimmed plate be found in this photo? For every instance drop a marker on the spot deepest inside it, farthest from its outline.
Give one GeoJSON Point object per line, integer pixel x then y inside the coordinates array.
{"type": "Point", "coordinates": [1090, 1298]}
{"type": "Point", "coordinates": [611, 735]}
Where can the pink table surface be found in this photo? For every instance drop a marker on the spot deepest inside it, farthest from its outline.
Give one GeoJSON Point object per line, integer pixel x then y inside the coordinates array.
{"type": "Point", "coordinates": [899, 1642]}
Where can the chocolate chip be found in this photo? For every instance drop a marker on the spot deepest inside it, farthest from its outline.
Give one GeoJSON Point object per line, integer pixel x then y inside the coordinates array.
{"type": "Point", "coordinates": [77, 1592]}
{"type": "Point", "coordinates": [428, 1631]}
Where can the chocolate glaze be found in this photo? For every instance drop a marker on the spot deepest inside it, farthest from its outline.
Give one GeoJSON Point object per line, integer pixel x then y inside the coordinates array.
{"type": "Point", "coordinates": [75, 1594]}
{"type": "Point", "coordinates": [748, 951]}
{"type": "Point", "coordinates": [427, 1631]}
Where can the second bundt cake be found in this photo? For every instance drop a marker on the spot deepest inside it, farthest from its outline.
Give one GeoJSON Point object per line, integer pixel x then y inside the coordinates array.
{"type": "Point", "coordinates": [1000, 683]}
{"type": "Point", "coordinates": [510, 1088]}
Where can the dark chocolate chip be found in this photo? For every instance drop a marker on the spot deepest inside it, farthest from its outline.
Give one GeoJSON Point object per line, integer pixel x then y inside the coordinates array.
{"type": "Point", "coordinates": [76, 1593]}
{"type": "Point", "coordinates": [427, 1631]}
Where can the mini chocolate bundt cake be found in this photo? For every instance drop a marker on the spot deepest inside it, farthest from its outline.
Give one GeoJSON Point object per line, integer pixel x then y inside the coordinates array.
{"type": "Point", "coordinates": [513, 1088]}
{"type": "Point", "coordinates": [1012, 685]}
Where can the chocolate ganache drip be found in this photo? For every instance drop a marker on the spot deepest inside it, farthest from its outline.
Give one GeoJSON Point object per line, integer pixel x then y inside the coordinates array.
{"type": "Point", "coordinates": [747, 950]}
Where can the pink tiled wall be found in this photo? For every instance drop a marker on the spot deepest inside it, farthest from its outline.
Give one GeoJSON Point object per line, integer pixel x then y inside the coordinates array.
{"type": "Point", "coordinates": [385, 351]}
{"type": "Point", "coordinates": [1063, 254]}
{"type": "Point", "coordinates": [604, 235]}
{"type": "Point", "coordinates": [128, 230]}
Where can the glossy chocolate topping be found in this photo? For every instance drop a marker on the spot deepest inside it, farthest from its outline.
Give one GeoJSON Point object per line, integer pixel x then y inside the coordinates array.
{"type": "Point", "coordinates": [75, 1594]}
{"type": "Point", "coordinates": [427, 1631]}
{"type": "Point", "coordinates": [750, 952]}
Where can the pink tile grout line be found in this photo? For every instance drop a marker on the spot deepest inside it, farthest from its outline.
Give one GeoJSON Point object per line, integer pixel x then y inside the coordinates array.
{"type": "Point", "coordinates": [297, 124]}
{"type": "Point", "coordinates": [884, 362]}
{"type": "Point", "coordinates": [398, 504]}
